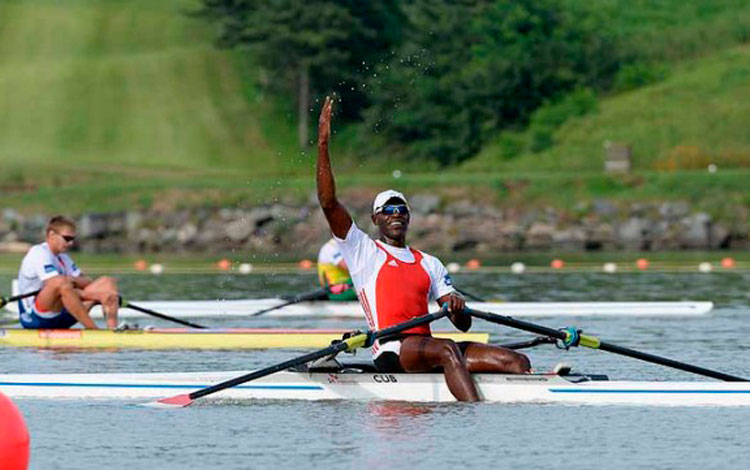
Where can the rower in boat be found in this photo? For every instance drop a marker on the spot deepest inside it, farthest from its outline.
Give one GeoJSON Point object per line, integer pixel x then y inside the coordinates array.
{"type": "Point", "coordinates": [394, 283]}
{"type": "Point", "coordinates": [333, 273]}
{"type": "Point", "coordinates": [66, 294]}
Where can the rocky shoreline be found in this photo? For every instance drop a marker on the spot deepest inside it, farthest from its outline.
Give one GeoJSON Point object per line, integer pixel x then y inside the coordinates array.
{"type": "Point", "coordinates": [458, 226]}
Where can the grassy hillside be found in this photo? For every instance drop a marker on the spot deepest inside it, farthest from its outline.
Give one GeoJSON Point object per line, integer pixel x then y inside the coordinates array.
{"type": "Point", "coordinates": [110, 104]}
{"type": "Point", "coordinates": [697, 116]}
{"type": "Point", "coordinates": [101, 87]}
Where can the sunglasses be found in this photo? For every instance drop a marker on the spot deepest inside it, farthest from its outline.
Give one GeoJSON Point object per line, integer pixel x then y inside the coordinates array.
{"type": "Point", "coordinates": [390, 209]}
{"type": "Point", "coordinates": [67, 238]}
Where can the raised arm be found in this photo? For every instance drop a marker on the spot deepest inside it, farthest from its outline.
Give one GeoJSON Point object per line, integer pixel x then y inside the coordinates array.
{"type": "Point", "coordinates": [338, 218]}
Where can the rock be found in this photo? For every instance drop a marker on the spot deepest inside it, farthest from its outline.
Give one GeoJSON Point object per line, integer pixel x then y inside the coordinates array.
{"type": "Point", "coordinates": [674, 210]}
{"type": "Point", "coordinates": [719, 237]}
{"type": "Point", "coordinates": [239, 230]}
{"type": "Point", "coordinates": [93, 226]}
{"type": "Point", "coordinates": [540, 236]}
{"type": "Point", "coordinates": [462, 208]}
{"type": "Point", "coordinates": [259, 216]}
{"type": "Point", "coordinates": [423, 204]}
{"type": "Point", "coordinates": [569, 238]}
{"type": "Point", "coordinates": [633, 234]}
{"type": "Point", "coordinates": [695, 231]}
{"type": "Point", "coordinates": [187, 233]}
{"type": "Point", "coordinates": [605, 209]}
{"type": "Point", "coordinates": [132, 223]}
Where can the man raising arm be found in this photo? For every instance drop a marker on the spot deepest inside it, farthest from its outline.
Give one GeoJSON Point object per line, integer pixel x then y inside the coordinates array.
{"type": "Point", "coordinates": [66, 294]}
{"type": "Point", "coordinates": [394, 283]}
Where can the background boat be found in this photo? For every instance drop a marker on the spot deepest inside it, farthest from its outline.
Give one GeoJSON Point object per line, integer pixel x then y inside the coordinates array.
{"type": "Point", "coordinates": [189, 338]}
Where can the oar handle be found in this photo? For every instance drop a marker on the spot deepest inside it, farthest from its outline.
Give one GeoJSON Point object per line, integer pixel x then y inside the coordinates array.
{"type": "Point", "coordinates": [125, 304]}
{"type": "Point", "coordinates": [356, 341]}
{"type": "Point", "coordinates": [595, 343]}
{"type": "Point", "coordinates": [6, 300]}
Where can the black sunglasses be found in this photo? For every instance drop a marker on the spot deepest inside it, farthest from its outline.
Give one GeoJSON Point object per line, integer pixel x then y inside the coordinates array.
{"type": "Point", "coordinates": [67, 238]}
{"type": "Point", "coordinates": [390, 209]}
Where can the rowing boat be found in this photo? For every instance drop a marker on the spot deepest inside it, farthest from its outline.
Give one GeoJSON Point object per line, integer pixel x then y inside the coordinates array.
{"type": "Point", "coordinates": [328, 309]}
{"type": "Point", "coordinates": [189, 338]}
{"type": "Point", "coordinates": [364, 385]}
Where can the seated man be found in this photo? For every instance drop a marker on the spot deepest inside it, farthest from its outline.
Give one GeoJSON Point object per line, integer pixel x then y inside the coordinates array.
{"type": "Point", "coordinates": [333, 273]}
{"type": "Point", "coordinates": [65, 294]}
{"type": "Point", "coordinates": [395, 283]}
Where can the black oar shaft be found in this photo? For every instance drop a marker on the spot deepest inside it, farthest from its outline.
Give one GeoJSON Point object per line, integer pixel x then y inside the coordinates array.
{"type": "Point", "coordinates": [332, 349]}
{"type": "Point", "coordinates": [595, 343]}
{"type": "Point", "coordinates": [147, 311]}
{"type": "Point", "coordinates": [469, 295]}
{"type": "Point", "coordinates": [519, 324]}
{"type": "Point", "coordinates": [613, 348]}
{"type": "Point", "coordinates": [5, 301]}
{"type": "Point", "coordinates": [320, 294]}
{"type": "Point", "coordinates": [529, 343]}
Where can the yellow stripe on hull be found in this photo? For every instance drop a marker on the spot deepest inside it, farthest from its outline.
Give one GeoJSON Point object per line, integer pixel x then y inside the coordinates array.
{"type": "Point", "coordinates": [187, 339]}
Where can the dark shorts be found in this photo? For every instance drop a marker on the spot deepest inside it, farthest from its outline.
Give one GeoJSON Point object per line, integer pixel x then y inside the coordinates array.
{"type": "Point", "coordinates": [389, 361]}
{"type": "Point", "coordinates": [33, 320]}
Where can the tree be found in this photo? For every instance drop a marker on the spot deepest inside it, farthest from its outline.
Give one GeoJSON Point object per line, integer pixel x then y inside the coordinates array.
{"type": "Point", "coordinates": [470, 68]}
{"type": "Point", "coordinates": [312, 47]}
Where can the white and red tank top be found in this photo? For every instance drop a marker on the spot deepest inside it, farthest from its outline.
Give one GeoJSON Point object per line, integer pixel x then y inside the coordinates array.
{"type": "Point", "coordinates": [393, 284]}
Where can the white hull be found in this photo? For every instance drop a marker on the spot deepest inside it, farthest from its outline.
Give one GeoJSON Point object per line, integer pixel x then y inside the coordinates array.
{"type": "Point", "coordinates": [321, 309]}
{"type": "Point", "coordinates": [371, 386]}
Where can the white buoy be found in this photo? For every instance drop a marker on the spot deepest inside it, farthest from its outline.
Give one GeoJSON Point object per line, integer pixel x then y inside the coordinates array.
{"type": "Point", "coordinates": [609, 268]}
{"type": "Point", "coordinates": [245, 268]}
{"type": "Point", "coordinates": [156, 268]}
{"type": "Point", "coordinates": [705, 267]}
{"type": "Point", "coordinates": [517, 267]}
{"type": "Point", "coordinates": [453, 267]}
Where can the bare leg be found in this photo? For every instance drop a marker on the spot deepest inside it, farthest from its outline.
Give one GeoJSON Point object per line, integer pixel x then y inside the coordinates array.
{"type": "Point", "coordinates": [424, 354]}
{"type": "Point", "coordinates": [59, 292]}
{"type": "Point", "coordinates": [104, 291]}
{"type": "Point", "coordinates": [485, 358]}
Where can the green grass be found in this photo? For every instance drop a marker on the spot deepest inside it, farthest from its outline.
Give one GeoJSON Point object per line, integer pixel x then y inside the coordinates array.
{"type": "Point", "coordinates": [698, 115]}
{"type": "Point", "coordinates": [107, 264]}
{"type": "Point", "coordinates": [102, 86]}
{"type": "Point", "coordinates": [113, 104]}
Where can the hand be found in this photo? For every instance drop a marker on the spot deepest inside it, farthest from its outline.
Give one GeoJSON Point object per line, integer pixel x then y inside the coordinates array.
{"type": "Point", "coordinates": [324, 123]}
{"type": "Point", "coordinates": [455, 302]}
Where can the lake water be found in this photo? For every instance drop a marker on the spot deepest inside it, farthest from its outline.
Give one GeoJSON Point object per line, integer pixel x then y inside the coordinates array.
{"type": "Point", "coordinates": [341, 435]}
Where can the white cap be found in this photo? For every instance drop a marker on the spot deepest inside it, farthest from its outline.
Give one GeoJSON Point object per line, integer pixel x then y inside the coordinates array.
{"type": "Point", "coordinates": [384, 197]}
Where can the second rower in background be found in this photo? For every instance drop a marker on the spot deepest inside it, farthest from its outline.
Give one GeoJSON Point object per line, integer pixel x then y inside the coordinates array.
{"type": "Point", "coordinates": [66, 294]}
{"type": "Point", "coordinates": [333, 273]}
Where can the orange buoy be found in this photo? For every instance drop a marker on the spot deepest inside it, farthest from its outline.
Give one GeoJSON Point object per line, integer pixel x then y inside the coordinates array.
{"type": "Point", "coordinates": [727, 263]}
{"type": "Point", "coordinates": [557, 264]}
{"type": "Point", "coordinates": [140, 265]}
{"type": "Point", "coordinates": [224, 264]}
{"type": "Point", "coordinates": [305, 264]}
{"type": "Point", "coordinates": [641, 263]}
{"type": "Point", "coordinates": [14, 437]}
{"type": "Point", "coordinates": [473, 264]}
